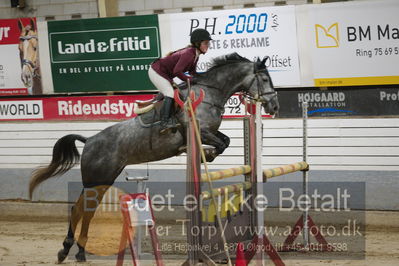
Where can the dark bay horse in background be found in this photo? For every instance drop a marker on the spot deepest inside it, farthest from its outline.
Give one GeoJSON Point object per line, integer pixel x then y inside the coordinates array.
{"type": "Point", "coordinates": [107, 153]}
{"type": "Point", "coordinates": [29, 55]}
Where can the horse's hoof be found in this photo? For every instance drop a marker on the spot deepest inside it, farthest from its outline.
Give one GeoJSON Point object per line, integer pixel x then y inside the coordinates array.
{"type": "Point", "coordinates": [210, 153]}
{"type": "Point", "coordinates": [210, 157]}
{"type": "Point", "coordinates": [80, 257]}
{"type": "Point", "coordinates": [61, 256]}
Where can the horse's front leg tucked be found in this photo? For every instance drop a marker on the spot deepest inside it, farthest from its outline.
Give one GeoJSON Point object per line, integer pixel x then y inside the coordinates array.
{"type": "Point", "coordinates": [224, 138]}
{"type": "Point", "coordinates": [218, 140]}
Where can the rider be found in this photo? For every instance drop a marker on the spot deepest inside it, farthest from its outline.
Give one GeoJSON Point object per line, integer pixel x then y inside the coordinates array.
{"type": "Point", "coordinates": [175, 64]}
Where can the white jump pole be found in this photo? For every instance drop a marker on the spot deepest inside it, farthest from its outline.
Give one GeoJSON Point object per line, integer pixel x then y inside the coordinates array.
{"type": "Point", "coordinates": [259, 179]}
{"type": "Point", "coordinates": [305, 174]}
{"type": "Point", "coordinates": [140, 189]}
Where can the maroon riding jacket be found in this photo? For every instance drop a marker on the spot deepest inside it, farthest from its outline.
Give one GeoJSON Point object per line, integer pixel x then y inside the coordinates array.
{"type": "Point", "coordinates": [176, 64]}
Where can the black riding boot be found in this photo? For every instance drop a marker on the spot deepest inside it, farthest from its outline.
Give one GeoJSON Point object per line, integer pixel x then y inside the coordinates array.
{"type": "Point", "coordinates": [167, 123]}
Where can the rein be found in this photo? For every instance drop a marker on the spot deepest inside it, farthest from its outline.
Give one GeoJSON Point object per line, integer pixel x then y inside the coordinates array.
{"type": "Point", "coordinates": [221, 108]}
{"type": "Point", "coordinates": [245, 94]}
{"type": "Point", "coordinates": [26, 62]}
{"type": "Point", "coordinates": [260, 94]}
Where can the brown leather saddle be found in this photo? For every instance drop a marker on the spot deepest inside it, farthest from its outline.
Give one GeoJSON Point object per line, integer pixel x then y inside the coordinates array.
{"type": "Point", "coordinates": [157, 98]}
{"type": "Point", "coordinates": [141, 107]}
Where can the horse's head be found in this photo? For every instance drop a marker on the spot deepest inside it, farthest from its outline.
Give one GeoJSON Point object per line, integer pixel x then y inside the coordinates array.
{"type": "Point", "coordinates": [259, 87]}
{"type": "Point", "coordinates": [28, 52]}
{"type": "Point", "coordinates": [233, 73]}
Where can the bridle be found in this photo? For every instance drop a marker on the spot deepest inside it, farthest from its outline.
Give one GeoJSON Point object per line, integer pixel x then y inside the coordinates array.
{"type": "Point", "coordinates": [246, 94]}
{"type": "Point", "coordinates": [27, 62]}
{"type": "Point", "coordinates": [257, 78]}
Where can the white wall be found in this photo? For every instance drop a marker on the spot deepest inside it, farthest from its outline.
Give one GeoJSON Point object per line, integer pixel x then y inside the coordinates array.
{"type": "Point", "coordinates": [60, 9]}
{"type": "Point", "coordinates": [334, 144]}
{"type": "Point", "coordinates": [64, 9]}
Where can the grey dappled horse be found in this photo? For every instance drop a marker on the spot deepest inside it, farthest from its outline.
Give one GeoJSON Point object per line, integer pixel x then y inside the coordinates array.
{"type": "Point", "coordinates": [129, 142]}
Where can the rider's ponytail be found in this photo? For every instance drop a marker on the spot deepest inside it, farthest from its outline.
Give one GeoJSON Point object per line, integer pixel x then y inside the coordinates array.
{"type": "Point", "coordinates": [172, 52]}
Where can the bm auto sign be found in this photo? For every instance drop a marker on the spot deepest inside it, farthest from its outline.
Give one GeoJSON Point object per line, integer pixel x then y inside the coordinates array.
{"type": "Point", "coordinates": [111, 54]}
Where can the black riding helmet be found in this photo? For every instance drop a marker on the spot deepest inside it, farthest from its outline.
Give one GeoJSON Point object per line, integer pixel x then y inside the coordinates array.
{"type": "Point", "coordinates": [199, 35]}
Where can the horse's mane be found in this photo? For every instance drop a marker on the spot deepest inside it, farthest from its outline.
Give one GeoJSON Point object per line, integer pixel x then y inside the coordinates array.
{"type": "Point", "coordinates": [222, 61]}
{"type": "Point", "coordinates": [226, 60]}
{"type": "Point", "coordinates": [229, 59]}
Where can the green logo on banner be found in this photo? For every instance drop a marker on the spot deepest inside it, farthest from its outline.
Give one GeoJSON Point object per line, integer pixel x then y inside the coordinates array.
{"type": "Point", "coordinates": [107, 54]}
{"type": "Point", "coordinates": [112, 44]}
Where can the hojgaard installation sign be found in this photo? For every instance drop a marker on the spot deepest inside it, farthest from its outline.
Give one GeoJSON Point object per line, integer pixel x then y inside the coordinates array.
{"type": "Point", "coordinates": [109, 54]}
{"type": "Point", "coordinates": [340, 102]}
{"type": "Point", "coordinates": [252, 33]}
{"type": "Point", "coordinates": [355, 43]}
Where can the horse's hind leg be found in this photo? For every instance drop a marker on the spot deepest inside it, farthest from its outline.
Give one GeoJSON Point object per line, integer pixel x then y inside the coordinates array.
{"type": "Point", "coordinates": [99, 171]}
{"type": "Point", "coordinates": [90, 206]}
{"type": "Point", "coordinates": [68, 243]}
{"type": "Point", "coordinates": [84, 209]}
{"type": "Point", "coordinates": [76, 212]}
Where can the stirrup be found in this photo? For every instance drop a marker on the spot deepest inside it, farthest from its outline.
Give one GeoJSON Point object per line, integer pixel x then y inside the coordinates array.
{"type": "Point", "coordinates": [169, 126]}
{"type": "Point", "coordinates": [166, 130]}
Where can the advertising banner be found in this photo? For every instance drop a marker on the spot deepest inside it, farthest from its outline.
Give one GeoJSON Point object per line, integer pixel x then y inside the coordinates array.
{"type": "Point", "coordinates": [354, 43]}
{"type": "Point", "coordinates": [19, 61]}
{"type": "Point", "coordinates": [107, 54]}
{"type": "Point", "coordinates": [118, 107]}
{"type": "Point", "coordinates": [252, 33]}
{"type": "Point", "coordinates": [70, 108]}
{"type": "Point", "coordinates": [340, 102]}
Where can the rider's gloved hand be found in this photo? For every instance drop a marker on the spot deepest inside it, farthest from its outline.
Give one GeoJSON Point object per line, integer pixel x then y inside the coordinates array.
{"type": "Point", "coordinates": [175, 86]}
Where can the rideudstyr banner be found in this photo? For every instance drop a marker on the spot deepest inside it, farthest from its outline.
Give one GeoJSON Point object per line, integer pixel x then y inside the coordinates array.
{"type": "Point", "coordinates": [19, 61]}
{"type": "Point", "coordinates": [118, 107]}
{"type": "Point", "coordinates": [70, 108]}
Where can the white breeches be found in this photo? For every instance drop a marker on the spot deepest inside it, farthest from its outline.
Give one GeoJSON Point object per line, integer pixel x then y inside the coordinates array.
{"type": "Point", "coordinates": [162, 84]}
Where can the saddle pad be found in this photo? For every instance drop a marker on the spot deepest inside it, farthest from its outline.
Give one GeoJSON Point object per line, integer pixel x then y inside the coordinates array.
{"type": "Point", "coordinates": [151, 118]}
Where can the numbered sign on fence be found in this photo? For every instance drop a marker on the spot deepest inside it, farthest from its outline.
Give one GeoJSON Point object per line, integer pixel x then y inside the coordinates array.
{"type": "Point", "coordinates": [234, 108]}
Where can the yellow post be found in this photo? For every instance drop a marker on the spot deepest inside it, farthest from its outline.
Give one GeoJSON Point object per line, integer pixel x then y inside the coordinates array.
{"type": "Point", "coordinates": [108, 8]}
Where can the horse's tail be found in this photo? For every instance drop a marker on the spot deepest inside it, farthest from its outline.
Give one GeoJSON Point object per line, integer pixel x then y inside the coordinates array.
{"type": "Point", "coordinates": [65, 156]}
